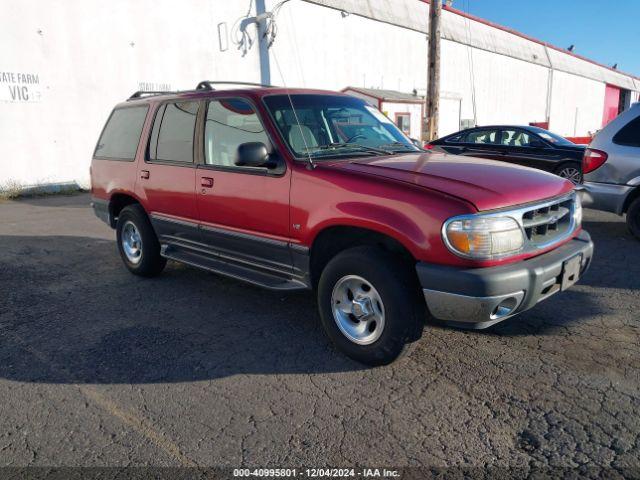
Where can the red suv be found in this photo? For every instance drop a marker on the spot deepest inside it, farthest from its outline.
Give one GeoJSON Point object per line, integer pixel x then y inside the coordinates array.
{"type": "Point", "coordinates": [303, 189]}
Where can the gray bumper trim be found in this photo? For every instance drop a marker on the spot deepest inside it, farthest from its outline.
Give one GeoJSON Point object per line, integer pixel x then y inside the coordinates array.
{"type": "Point", "coordinates": [101, 210]}
{"type": "Point", "coordinates": [471, 295]}
{"type": "Point", "coordinates": [605, 196]}
{"type": "Point", "coordinates": [481, 312]}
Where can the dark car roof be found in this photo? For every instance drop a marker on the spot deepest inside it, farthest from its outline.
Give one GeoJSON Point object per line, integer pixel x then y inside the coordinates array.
{"type": "Point", "coordinates": [522, 127]}
{"type": "Point", "coordinates": [530, 128]}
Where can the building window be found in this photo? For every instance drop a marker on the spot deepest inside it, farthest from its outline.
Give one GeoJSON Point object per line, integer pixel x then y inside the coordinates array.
{"type": "Point", "coordinates": [403, 122]}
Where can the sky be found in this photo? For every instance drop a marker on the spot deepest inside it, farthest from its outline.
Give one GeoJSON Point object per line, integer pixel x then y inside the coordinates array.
{"type": "Point", "coordinates": [605, 31]}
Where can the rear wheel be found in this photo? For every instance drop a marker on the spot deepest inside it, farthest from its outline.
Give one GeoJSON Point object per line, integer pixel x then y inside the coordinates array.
{"type": "Point", "coordinates": [571, 171]}
{"type": "Point", "coordinates": [633, 218]}
{"type": "Point", "coordinates": [370, 305]}
{"type": "Point", "coordinates": [137, 242]}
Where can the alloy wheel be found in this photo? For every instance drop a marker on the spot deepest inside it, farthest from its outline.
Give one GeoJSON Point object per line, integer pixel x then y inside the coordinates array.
{"type": "Point", "coordinates": [131, 242]}
{"type": "Point", "coordinates": [358, 309]}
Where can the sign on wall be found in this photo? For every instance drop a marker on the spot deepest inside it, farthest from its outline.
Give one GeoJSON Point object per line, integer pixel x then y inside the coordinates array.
{"type": "Point", "coordinates": [20, 87]}
{"type": "Point", "coordinates": [154, 86]}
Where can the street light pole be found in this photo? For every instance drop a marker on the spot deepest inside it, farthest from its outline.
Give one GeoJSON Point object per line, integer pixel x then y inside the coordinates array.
{"type": "Point", "coordinates": [432, 99]}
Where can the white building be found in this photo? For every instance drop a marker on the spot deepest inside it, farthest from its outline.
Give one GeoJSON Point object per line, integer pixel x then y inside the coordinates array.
{"type": "Point", "coordinates": [63, 65]}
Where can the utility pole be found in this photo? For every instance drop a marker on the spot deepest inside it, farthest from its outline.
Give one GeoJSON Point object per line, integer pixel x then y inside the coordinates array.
{"type": "Point", "coordinates": [432, 100]}
{"type": "Point", "coordinates": [263, 44]}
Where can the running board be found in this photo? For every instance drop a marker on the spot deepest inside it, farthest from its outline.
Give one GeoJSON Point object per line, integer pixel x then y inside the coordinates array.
{"type": "Point", "coordinates": [232, 270]}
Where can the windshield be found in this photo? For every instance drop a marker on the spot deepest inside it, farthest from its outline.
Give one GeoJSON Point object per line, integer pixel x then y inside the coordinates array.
{"type": "Point", "coordinates": [553, 138]}
{"type": "Point", "coordinates": [333, 126]}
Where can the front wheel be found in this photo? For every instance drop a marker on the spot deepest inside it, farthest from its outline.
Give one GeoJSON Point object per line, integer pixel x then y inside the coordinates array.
{"type": "Point", "coordinates": [370, 305]}
{"type": "Point", "coordinates": [633, 218]}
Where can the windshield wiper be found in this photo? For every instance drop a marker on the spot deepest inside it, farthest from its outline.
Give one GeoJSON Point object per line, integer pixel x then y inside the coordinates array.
{"type": "Point", "coordinates": [395, 145]}
{"type": "Point", "coordinates": [338, 145]}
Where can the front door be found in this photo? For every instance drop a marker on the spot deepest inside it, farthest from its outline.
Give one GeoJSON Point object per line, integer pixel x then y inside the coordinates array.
{"type": "Point", "coordinates": [166, 179]}
{"type": "Point", "coordinates": [525, 148]}
{"type": "Point", "coordinates": [243, 211]}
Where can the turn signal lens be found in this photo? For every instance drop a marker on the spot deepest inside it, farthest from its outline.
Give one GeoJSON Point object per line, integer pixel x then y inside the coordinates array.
{"type": "Point", "coordinates": [484, 238]}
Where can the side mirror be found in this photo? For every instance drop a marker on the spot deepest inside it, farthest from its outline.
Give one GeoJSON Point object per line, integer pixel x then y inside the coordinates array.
{"type": "Point", "coordinates": [254, 154]}
{"type": "Point", "coordinates": [535, 143]}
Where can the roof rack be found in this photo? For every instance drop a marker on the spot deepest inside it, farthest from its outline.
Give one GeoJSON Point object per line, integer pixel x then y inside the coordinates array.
{"type": "Point", "coordinates": [204, 85]}
{"type": "Point", "coordinates": [208, 84]}
{"type": "Point", "coordinates": [150, 93]}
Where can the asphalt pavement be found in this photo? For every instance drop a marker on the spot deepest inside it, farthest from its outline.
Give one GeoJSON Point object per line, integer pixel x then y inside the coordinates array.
{"type": "Point", "coordinates": [101, 368]}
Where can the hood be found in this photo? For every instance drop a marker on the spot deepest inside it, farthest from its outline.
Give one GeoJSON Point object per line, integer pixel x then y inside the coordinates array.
{"type": "Point", "coordinates": [486, 184]}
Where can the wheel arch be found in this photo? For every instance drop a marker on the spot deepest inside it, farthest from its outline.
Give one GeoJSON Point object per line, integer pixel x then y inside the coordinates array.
{"type": "Point", "coordinates": [631, 196]}
{"type": "Point", "coordinates": [333, 239]}
{"type": "Point", "coordinates": [118, 201]}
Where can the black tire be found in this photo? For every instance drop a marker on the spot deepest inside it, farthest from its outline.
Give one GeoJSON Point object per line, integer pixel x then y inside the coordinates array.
{"type": "Point", "coordinates": [149, 262]}
{"type": "Point", "coordinates": [633, 218]}
{"type": "Point", "coordinates": [566, 168]}
{"type": "Point", "coordinates": [397, 286]}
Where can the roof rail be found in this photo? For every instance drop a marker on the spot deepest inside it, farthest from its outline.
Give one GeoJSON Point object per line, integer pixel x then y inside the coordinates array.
{"type": "Point", "coordinates": [143, 93]}
{"type": "Point", "coordinates": [208, 84]}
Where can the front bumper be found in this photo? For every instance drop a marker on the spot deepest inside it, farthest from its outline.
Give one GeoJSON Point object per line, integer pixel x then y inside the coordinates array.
{"type": "Point", "coordinates": [480, 297]}
{"type": "Point", "coordinates": [605, 196]}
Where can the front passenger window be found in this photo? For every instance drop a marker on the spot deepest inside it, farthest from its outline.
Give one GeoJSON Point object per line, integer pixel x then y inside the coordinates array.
{"type": "Point", "coordinates": [515, 138]}
{"type": "Point", "coordinates": [229, 124]}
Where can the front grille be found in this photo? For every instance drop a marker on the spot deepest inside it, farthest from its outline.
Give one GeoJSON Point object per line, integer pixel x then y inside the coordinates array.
{"type": "Point", "coordinates": [549, 223]}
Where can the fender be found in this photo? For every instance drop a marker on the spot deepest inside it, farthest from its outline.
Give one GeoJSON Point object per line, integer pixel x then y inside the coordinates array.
{"type": "Point", "coordinates": [377, 218]}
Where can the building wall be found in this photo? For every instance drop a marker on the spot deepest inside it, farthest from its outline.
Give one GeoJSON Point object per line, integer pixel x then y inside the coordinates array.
{"type": "Point", "coordinates": [577, 105]}
{"type": "Point", "coordinates": [319, 47]}
{"type": "Point", "coordinates": [64, 64]}
{"type": "Point", "coordinates": [507, 90]}
{"type": "Point", "coordinates": [86, 56]}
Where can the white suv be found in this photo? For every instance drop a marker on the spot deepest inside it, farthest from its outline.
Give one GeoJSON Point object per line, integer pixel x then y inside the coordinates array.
{"type": "Point", "coordinates": [611, 168]}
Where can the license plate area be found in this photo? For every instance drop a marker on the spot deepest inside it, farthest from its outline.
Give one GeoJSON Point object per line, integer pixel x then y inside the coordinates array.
{"type": "Point", "coordinates": [570, 272]}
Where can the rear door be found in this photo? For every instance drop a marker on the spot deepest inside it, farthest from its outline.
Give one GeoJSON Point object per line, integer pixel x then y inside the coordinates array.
{"type": "Point", "coordinates": [166, 178]}
{"type": "Point", "coordinates": [482, 143]}
{"type": "Point", "coordinates": [243, 211]}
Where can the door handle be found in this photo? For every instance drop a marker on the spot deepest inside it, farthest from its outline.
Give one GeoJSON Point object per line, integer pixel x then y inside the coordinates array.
{"type": "Point", "coordinates": [144, 174]}
{"type": "Point", "coordinates": [206, 182]}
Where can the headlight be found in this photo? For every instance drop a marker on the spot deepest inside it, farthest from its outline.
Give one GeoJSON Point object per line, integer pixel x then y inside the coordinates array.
{"type": "Point", "coordinates": [483, 238]}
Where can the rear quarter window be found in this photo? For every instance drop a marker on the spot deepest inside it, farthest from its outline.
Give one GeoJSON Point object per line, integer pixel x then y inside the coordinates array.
{"type": "Point", "coordinates": [629, 135]}
{"type": "Point", "coordinates": [121, 134]}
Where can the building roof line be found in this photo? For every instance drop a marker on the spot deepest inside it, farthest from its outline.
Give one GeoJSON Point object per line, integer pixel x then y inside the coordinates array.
{"type": "Point", "coordinates": [489, 23]}
{"type": "Point", "coordinates": [378, 94]}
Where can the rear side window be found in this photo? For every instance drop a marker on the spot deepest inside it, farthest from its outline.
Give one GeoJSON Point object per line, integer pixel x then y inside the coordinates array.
{"type": "Point", "coordinates": [629, 135]}
{"type": "Point", "coordinates": [482, 136]}
{"type": "Point", "coordinates": [121, 134]}
{"type": "Point", "coordinates": [173, 131]}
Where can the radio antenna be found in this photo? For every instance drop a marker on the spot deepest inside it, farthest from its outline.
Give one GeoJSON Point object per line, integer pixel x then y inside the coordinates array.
{"type": "Point", "coordinates": [271, 32]}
